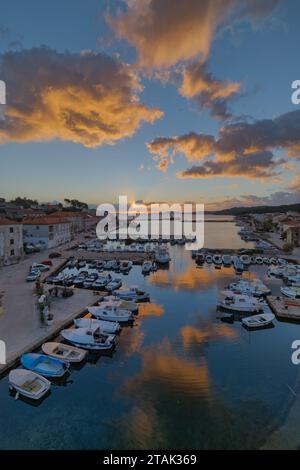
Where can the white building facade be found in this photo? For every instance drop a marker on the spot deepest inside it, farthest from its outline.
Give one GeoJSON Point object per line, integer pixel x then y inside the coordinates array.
{"type": "Point", "coordinates": [11, 242]}
{"type": "Point", "coordinates": [46, 231]}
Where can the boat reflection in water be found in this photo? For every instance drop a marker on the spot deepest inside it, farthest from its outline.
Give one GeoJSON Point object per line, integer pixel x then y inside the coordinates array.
{"type": "Point", "coordinates": [179, 377]}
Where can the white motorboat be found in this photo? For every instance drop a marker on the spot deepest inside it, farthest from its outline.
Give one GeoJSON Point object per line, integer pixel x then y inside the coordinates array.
{"type": "Point", "coordinates": [111, 314]}
{"type": "Point", "coordinates": [146, 267]}
{"type": "Point", "coordinates": [132, 293]}
{"type": "Point", "coordinates": [100, 283]}
{"type": "Point", "coordinates": [114, 284]}
{"type": "Point", "coordinates": [89, 338]}
{"type": "Point", "coordinates": [238, 265]}
{"type": "Point", "coordinates": [209, 259]}
{"type": "Point", "coordinates": [258, 321]}
{"type": "Point", "coordinates": [162, 256]}
{"type": "Point", "coordinates": [239, 303]}
{"type": "Point", "coordinates": [259, 260]}
{"type": "Point", "coordinates": [64, 352]}
{"type": "Point", "coordinates": [294, 280]}
{"type": "Point", "coordinates": [28, 383]}
{"type": "Point", "coordinates": [107, 327]}
{"type": "Point", "coordinates": [275, 271]}
{"type": "Point", "coordinates": [291, 292]}
{"type": "Point", "coordinates": [227, 260]}
{"type": "Point", "coordinates": [113, 301]}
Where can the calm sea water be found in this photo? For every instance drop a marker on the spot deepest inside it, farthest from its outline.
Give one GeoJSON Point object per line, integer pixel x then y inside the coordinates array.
{"type": "Point", "coordinates": [179, 378]}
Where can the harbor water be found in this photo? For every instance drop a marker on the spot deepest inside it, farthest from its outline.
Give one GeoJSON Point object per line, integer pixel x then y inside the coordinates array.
{"type": "Point", "coordinates": [179, 377]}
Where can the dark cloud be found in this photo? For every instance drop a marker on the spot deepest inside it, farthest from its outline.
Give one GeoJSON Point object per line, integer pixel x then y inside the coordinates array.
{"type": "Point", "coordinates": [254, 165]}
{"type": "Point", "coordinates": [238, 145]}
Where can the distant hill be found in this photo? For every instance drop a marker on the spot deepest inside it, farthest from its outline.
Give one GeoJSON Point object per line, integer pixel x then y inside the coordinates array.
{"type": "Point", "coordinates": [257, 209]}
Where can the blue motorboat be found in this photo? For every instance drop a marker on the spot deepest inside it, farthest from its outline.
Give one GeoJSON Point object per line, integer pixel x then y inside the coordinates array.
{"type": "Point", "coordinates": [44, 365]}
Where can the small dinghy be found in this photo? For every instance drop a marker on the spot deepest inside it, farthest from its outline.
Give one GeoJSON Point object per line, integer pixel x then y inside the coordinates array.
{"type": "Point", "coordinates": [105, 326]}
{"type": "Point", "coordinates": [64, 352]}
{"type": "Point", "coordinates": [89, 338]}
{"type": "Point", "coordinates": [28, 383]}
{"type": "Point", "coordinates": [217, 260]}
{"type": "Point", "coordinates": [112, 314]}
{"type": "Point", "coordinates": [44, 365]}
{"type": "Point", "coordinates": [258, 321]}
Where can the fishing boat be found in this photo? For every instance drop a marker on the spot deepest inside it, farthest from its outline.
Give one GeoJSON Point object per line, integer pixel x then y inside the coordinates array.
{"type": "Point", "coordinates": [239, 303]}
{"type": "Point", "coordinates": [227, 260]}
{"type": "Point", "coordinates": [111, 314]}
{"type": "Point", "coordinates": [64, 352]}
{"type": "Point", "coordinates": [146, 267]}
{"type": "Point", "coordinates": [44, 365]}
{"type": "Point", "coordinates": [132, 293]}
{"type": "Point", "coordinates": [238, 265]}
{"type": "Point", "coordinates": [89, 338]}
{"type": "Point", "coordinates": [105, 326]}
{"type": "Point", "coordinates": [28, 383]}
{"type": "Point", "coordinates": [258, 321]}
{"type": "Point", "coordinates": [291, 292]}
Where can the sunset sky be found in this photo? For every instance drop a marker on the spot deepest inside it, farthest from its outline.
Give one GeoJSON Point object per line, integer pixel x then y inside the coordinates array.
{"type": "Point", "coordinates": [160, 100]}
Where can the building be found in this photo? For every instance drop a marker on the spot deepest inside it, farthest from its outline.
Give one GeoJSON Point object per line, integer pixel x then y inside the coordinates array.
{"type": "Point", "coordinates": [76, 219]}
{"type": "Point", "coordinates": [11, 241]}
{"type": "Point", "coordinates": [293, 234]}
{"type": "Point", "coordinates": [46, 231]}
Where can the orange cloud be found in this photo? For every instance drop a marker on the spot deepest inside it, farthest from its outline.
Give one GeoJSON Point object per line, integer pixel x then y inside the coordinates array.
{"type": "Point", "coordinates": [242, 148]}
{"type": "Point", "coordinates": [165, 32]}
{"type": "Point", "coordinates": [209, 92]}
{"type": "Point", "coordinates": [88, 98]}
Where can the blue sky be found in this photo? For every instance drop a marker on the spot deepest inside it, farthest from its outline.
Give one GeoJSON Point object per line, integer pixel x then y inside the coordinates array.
{"type": "Point", "coordinates": [262, 57]}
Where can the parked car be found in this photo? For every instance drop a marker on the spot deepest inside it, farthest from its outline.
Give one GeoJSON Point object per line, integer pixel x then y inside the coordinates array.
{"type": "Point", "coordinates": [54, 254]}
{"type": "Point", "coordinates": [33, 275]}
{"type": "Point", "coordinates": [40, 267]}
{"type": "Point", "coordinates": [47, 262]}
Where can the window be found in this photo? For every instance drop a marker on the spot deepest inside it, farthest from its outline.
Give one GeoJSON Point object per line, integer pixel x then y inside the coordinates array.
{"type": "Point", "coordinates": [12, 252]}
{"type": "Point", "coordinates": [11, 241]}
{"type": "Point", "coordinates": [11, 229]}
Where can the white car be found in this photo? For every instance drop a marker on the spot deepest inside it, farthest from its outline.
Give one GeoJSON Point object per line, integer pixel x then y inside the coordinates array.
{"type": "Point", "coordinates": [40, 267]}
{"type": "Point", "coordinates": [33, 275]}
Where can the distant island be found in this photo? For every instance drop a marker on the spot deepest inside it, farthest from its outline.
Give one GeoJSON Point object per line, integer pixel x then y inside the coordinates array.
{"type": "Point", "coordinates": [257, 209]}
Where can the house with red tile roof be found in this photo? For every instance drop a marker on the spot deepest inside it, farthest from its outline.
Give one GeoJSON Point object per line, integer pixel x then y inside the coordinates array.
{"type": "Point", "coordinates": [47, 231]}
